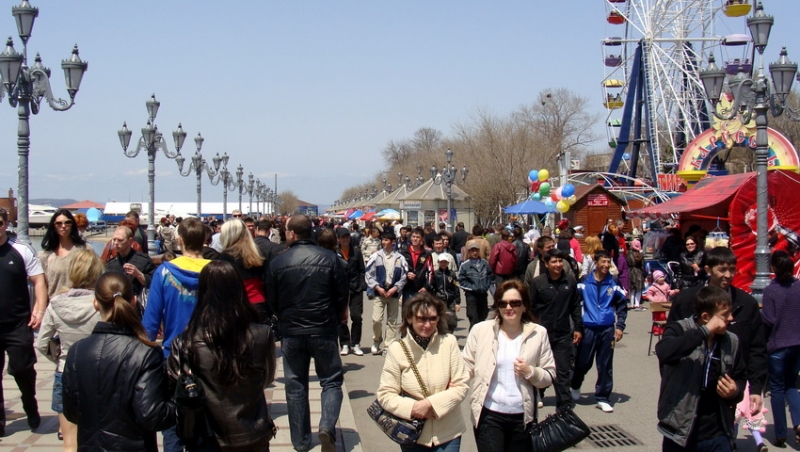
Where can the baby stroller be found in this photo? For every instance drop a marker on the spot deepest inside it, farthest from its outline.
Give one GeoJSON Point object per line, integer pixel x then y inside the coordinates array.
{"type": "Point", "coordinates": [673, 274]}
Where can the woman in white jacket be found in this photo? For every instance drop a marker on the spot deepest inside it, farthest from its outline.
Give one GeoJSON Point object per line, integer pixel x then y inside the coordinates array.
{"type": "Point", "coordinates": [71, 316]}
{"type": "Point", "coordinates": [507, 357]}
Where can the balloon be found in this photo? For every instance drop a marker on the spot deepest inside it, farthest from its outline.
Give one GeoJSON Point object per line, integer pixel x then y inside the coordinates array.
{"type": "Point", "coordinates": [562, 206]}
{"type": "Point", "coordinates": [535, 186]}
{"type": "Point", "coordinates": [567, 190]}
{"type": "Point", "coordinates": [537, 196]}
{"type": "Point", "coordinates": [559, 193]}
{"type": "Point", "coordinates": [544, 175]}
{"type": "Point", "coordinates": [549, 202]}
{"type": "Point", "coordinates": [554, 196]}
{"type": "Point", "coordinates": [544, 189]}
{"type": "Point", "coordinates": [533, 175]}
{"type": "Point", "coordinates": [572, 200]}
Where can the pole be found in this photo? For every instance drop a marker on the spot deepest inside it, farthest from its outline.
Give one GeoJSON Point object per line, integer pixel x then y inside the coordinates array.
{"type": "Point", "coordinates": [225, 198]}
{"type": "Point", "coordinates": [762, 148]}
{"type": "Point", "coordinates": [449, 196]}
{"type": "Point", "coordinates": [199, 170]}
{"type": "Point", "coordinates": [23, 150]}
{"type": "Point", "coordinates": [151, 205]}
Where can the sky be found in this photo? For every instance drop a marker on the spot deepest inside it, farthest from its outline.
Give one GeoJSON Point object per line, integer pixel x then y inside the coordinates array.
{"type": "Point", "coordinates": [309, 90]}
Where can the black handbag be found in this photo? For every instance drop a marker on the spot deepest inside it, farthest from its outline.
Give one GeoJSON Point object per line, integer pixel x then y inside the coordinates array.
{"type": "Point", "coordinates": [192, 424]}
{"type": "Point", "coordinates": [402, 431]}
{"type": "Point", "coordinates": [558, 431]}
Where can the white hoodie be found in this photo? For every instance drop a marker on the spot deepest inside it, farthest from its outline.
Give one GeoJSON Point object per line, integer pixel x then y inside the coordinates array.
{"type": "Point", "coordinates": [70, 316]}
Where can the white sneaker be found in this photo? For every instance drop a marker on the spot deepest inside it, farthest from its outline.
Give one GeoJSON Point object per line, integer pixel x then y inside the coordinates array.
{"type": "Point", "coordinates": [540, 405]}
{"type": "Point", "coordinates": [345, 350]}
{"type": "Point", "coordinates": [357, 350]}
{"type": "Point", "coordinates": [576, 394]}
{"type": "Point", "coordinates": [376, 349]}
{"type": "Point", "coordinates": [605, 407]}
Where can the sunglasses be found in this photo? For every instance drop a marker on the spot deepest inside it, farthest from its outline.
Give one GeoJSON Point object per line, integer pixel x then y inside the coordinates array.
{"type": "Point", "coordinates": [237, 216]}
{"type": "Point", "coordinates": [423, 319]}
{"type": "Point", "coordinates": [504, 303]}
{"type": "Point", "coordinates": [63, 223]}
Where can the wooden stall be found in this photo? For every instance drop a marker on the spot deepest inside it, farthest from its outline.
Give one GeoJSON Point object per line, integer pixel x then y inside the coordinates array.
{"type": "Point", "coordinates": [594, 207]}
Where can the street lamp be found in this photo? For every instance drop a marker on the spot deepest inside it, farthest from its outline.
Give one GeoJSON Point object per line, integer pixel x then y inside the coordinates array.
{"type": "Point", "coordinates": [240, 183]}
{"type": "Point", "coordinates": [250, 187]}
{"type": "Point", "coordinates": [448, 176]}
{"type": "Point", "coordinates": [226, 177]}
{"type": "Point", "coordinates": [755, 96]}
{"type": "Point", "coordinates": [26, 87]}
{"type": "Point", "coordinates": [198, 165]}
{"type": "Point", "coordinates": [151, 141]}
{"type": "Point", "coordinates": [419, 179]}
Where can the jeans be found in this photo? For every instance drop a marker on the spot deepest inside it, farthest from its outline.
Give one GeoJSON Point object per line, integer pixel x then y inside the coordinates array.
{"type": "Point", "coordinates": [16, 339]}
{"type": "Point", "coordinates": [500, 432]}
{"type": "Point", "coordinates": [390, 306]}
{"type": "Point", "coordinates": [454, 445]}
{"type": "Point", "coordinates": [57, 405]}
{"type": "Point", "coordinates": [597, 342]}
{"type": "Point", "coordinates": [297, 354]}
{"type": "Point", "coordinates": [717, 444]}
{"type": "Point", "coordinates": [171, 441]}
{"type": "Point", "coordinates": [352, 336]}
{"type": "Point", "coordinates": [477, 307]}
{"type": "Point", "coordinates": [784, 365]}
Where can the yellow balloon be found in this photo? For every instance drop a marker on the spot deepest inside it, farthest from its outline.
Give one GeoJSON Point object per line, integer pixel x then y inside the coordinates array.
{"type": "Point", "coordinates": [572, 200]}
{"type": "Point", "coordinates": [562, 206]}
{"type": "Point", "coordinates": [544, 175]}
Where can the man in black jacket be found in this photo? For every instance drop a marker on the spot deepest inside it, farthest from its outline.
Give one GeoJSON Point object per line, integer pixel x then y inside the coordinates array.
{"type": "Point", "coordinates": [555, 301]}
{"type": "Point", "coordinates": [135, 265]}
{"type": "Point", "coordinates": [720, 267]}
{"type": "Point", "coordinates": [266, 247]}
{"type": "Point", "coordinates": [420, 265]}
{"type": "Point", "coordinates": [350, 338]}
{"type": "Point", "coordinates": [459, 241]}
{"type": "Point", "coordinates": [307, 288]}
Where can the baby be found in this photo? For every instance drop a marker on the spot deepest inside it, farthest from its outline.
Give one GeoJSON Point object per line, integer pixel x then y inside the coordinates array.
{"type": "Point", "coordinates": [659, 291]}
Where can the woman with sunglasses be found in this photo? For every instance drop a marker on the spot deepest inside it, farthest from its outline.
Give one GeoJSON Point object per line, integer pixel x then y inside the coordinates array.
{"type": "Point", "coordinates": [507, 358]}
{"type": "Point", "coordinates": [60, 241]}
{"type": "Point", "coordinates": [441, 368]}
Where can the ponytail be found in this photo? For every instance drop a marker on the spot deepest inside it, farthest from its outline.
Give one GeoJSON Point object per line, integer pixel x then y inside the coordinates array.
{"type": "Point", "coordinates": [782, 266]}
{"type": "Point", "coordinates": [114, 294]}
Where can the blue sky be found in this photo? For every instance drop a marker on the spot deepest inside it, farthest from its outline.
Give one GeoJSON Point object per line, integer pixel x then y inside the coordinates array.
{"type": "Point", "coordinates": [309, 90]}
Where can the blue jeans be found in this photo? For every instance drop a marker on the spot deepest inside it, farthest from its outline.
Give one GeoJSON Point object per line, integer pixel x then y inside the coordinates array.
{"type": "Point", "coordinates": [171, 441]}
{"type": "Point", "coordinates": [454, 445]}
{"type": "Point", "coordinates": [784, 365]}
{"type": "Point", "coordinates": [57, 405]}
{"type": "Point", "coordinates": [297, 354]}
{"type": "Point", "coordinates": [597, 342]}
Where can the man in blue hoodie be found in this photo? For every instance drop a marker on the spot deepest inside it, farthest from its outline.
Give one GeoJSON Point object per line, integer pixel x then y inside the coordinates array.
{"type": "Point", "coordinates": [604, 312]}
{"type": "Point", "coordinates": [173, 295]}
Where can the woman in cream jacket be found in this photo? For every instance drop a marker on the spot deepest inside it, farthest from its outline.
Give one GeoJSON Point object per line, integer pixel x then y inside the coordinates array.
{"type": "Point", "coordinates": [507, 357]}
{"type": "Point", "coordinates": [441, 367]}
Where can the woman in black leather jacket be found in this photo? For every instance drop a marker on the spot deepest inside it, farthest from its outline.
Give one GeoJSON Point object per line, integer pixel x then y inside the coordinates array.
{"type": "Point", "coordinates": [114, 380]}
{"type": "Point", "coordinates": [232, 357]}
{"type": "Point", "coordinates": [691, 263]}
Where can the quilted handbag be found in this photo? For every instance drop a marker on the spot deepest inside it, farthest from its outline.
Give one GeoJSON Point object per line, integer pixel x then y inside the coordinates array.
{"type": "Point", "coordinates": [558, 431]}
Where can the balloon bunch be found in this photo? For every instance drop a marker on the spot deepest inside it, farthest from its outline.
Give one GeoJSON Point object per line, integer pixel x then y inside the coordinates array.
{"type": "Point", "coordinates": [561, 198]}
{"type": "Point", "coordinates": [539, 185]}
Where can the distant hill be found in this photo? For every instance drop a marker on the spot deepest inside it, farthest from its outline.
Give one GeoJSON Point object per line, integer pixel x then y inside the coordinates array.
{"type": "Point", "coordinates": [53, 201]}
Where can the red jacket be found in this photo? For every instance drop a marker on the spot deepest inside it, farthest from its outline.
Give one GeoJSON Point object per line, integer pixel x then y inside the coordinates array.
{"type": "Point", "coordinates": [503, 258]}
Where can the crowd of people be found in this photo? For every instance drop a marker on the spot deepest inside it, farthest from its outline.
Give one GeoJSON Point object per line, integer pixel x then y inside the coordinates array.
{"type": "Point", "coordinates": [541, 310]}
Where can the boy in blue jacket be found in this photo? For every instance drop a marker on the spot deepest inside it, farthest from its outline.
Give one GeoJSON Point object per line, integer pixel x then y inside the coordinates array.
{"type": "Point", "coordinates": [605, 308]}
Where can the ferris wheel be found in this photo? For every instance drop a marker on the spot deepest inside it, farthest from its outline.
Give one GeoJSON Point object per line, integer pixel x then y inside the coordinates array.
{"type": "Point", "coordinates": [652, 91]}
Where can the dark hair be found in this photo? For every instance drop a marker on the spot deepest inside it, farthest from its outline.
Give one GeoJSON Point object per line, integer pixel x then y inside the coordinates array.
{"type": "Point", "coordinates": [477, 230]}
{"type": "Point", "coordinates": [783, 267]}
{"type": "Point", "coordinates": [248, 220]}
{"type": "Point", "coordinates": [419, 303]}
{"type": "Point", "coordinates": [504, 234]}
{"type": "Point", "coordinates": [542, 241]}
{"type": "Point", "coordinates": [222, 317]}
{"type": "Point", "coordinates": [554, 253]}
{"type": "Point", "coordinates": [568, 234]}
{"type": "Point", "coordinates": [114, 294]}
{"type": "Point", "coordinates": [50, 240]}
{"type": "Point", "coordinates": [419, 231]}
{"type": "Point", "coordinates": [709, 299]}
{"type": "Point", "coordinates": [4, 213]}
{"type": "Point", "coordinates": [132, 214]}
{"type": "Point", "coordinates": [602, 254]}
{"type": "Point", "coordinates": [193, 233]}
{"type": "Point", "coordinates": [300, 225]}
{"type": "Point", "coordinates": [388, 235]}
{"type": "Point", "coordinates": [720, 255]}
{"type": "Point", "coordinates": [527, 315]}
{"type": "Point", "coordinates": [264, 225]}
{"type": "Point", "coordinates": [327, 239]}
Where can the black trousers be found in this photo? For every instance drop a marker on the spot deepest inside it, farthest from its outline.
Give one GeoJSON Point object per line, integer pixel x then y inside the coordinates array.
{"type": "Point", "coordinates": [500, 432]}
{"type": "Point", "coordinates": [564, 356]}
{"type": "Point", "coordinates": [352, 336]}
{"type": "Point", "coordinates": [477, 307]}
{"type": "Point", "coordinates": [16, 340]}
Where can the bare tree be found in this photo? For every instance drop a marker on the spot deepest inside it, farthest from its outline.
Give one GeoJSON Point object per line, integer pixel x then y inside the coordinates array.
{"type": "Point", "coordinates": [287, 203]}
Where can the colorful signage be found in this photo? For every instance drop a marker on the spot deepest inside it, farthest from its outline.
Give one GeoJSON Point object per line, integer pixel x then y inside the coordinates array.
{"type": "Point", "coordinates": [597, 200]}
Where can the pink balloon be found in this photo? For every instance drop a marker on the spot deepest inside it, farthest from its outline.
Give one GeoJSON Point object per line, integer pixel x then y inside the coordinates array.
{"type": "Point", "coordinates": [558, 193]}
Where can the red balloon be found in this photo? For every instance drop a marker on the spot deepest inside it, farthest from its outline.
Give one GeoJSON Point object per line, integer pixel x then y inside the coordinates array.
{"type": "Point", "coordinates": [535, 186]}
{"type": "Point", "coordinates": [554, 196]}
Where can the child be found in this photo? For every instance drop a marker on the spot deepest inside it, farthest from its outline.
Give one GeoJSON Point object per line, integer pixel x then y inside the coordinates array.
{"type": "Point", "coordinates": [444, 286]}
{"type": "Point", "coordinates": [702, 377]}
{"type": "Point", "coordinates": [659, 291]}
{"type": "Point", "coordinates": [756, 424]}
{"type": "Point", "coordinates": [475, 278]}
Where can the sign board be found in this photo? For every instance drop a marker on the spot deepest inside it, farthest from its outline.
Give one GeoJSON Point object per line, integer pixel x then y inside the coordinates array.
{"type": "Point", "coordinates": [411, 205]}
{"type": "Point", "coordinates": [597, 200]}
{"type": "Point", "coordinates": [670, 182]}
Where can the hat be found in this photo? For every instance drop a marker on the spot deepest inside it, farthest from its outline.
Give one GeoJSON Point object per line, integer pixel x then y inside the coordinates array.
{"type": "Point", "coordinates": [445, 257]}
{"type": "Point", "coordinates": [342, 231]}
{"type": "Point", "coordinates": [473, 245]}
{"type": "Point", "coordinates": [657, 274]}
{"type": "Point", "coordinates": [637, 245]}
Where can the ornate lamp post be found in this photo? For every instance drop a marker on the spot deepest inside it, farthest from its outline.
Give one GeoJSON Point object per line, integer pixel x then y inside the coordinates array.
{"type": "Point", "coordinates": [250, 187]}
{"type": "Point", "coordinates": [419, 179]}
{"type": "Point", "coordinates": [448, 176]}
{"type": "Point", "coordinates": [198, 165]}
{"type": "Point", "coordinates": [151, 141]}
{"type": "Point", "coordinates": [226, 177]}
{"type": "Point", "coordinates": [26, 88]}
{"type": "Point", "coordinates": [753, 97]}
{"type": "Point", "coordinates": [240, 183]}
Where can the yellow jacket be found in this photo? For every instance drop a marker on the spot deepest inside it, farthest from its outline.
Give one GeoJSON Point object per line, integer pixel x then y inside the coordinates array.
{"type": "Point", "coordinates": [480, 355]}
{"type": "Point", "coordinates": [441, 367]}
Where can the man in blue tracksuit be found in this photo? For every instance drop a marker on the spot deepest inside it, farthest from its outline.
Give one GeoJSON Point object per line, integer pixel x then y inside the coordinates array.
{"type": "Point", "coordinates": [604, 312]}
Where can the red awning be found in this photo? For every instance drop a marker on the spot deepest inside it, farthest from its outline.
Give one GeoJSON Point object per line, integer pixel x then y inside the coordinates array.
{"type": "Point", "coordinates": [709, 198]}
{"type": "Point", "coordinates": [368, 216]}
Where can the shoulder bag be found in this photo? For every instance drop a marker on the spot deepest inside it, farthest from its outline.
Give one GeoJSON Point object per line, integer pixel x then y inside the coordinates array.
{"type": "Point", "coordinates": [192, 424]}
{"type": "Point", "coordinates": [558, 431]}
{"type": "Point", "coordinates": [402, 431]}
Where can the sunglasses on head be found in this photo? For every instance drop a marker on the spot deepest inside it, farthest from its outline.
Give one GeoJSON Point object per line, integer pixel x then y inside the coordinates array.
{"type": "Point", "coordinates": [513, 303]}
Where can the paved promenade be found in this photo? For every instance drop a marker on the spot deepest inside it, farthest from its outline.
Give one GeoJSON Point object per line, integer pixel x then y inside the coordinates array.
{"type": "Point", "coordinates": [632, 426]}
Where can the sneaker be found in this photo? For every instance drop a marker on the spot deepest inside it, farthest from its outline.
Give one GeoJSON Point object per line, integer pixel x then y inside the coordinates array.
{"type": "Point", "coordinates": [376, 348]}
{"type": "Point", "coordinates": [605, 407]}
{"type": "Point", "coordinates": [540, 405]}
{"type": "Point", "coordinates": [762, 448]}
{"type": "Point", "coordinates": [345, 350]}
{"type": "Point", "coordinates": [357, 350]}
{"type": "Point", "coordinates": [576, 394]}
{"type": "Point", "coordinates": [327, 441]}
